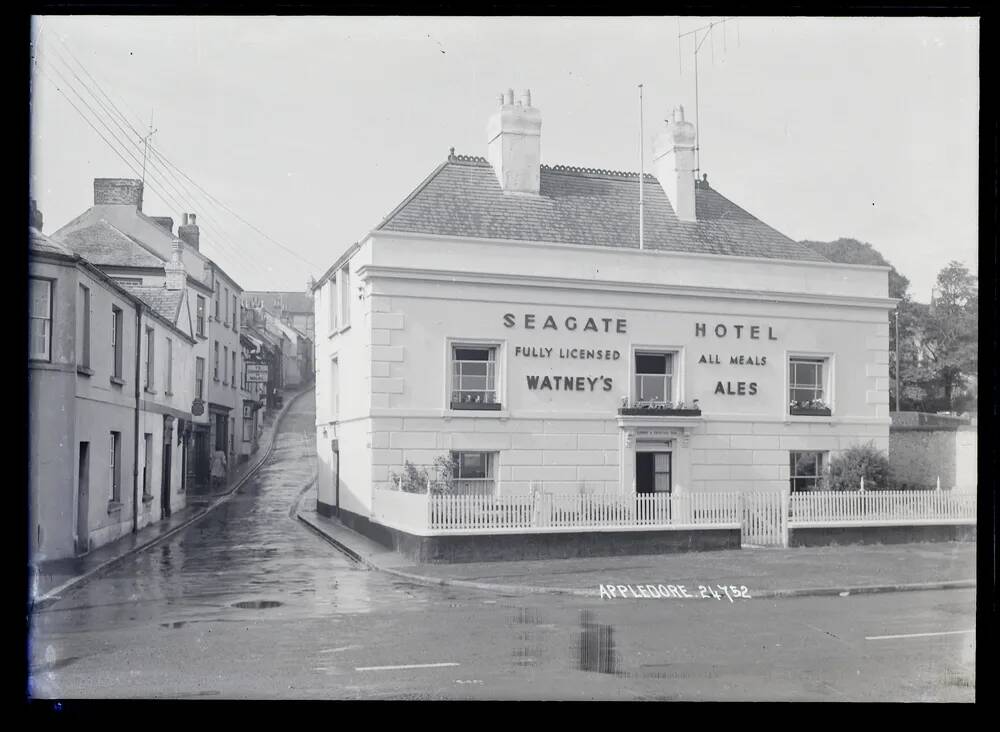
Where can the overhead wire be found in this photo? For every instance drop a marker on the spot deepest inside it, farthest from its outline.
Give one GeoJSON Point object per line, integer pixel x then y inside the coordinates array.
{"type": "Point", "coordinates": [162, 170]}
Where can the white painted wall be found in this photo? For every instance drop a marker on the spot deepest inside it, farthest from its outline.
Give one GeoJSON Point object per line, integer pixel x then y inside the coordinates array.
{"type": "Point", "coordinates": [424, 292]}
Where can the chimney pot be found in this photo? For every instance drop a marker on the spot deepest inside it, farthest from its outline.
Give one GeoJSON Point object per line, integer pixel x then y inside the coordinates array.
{"type": "Point", "coordinates": [508, 97]}
{"type": "Point", "coordinates": [189, 232]}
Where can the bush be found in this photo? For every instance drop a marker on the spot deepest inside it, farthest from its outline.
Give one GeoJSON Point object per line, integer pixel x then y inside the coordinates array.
{"type": "Point", "coordinates": [411, 480]}
{"type": "Point", "coordinates": [847, 469]}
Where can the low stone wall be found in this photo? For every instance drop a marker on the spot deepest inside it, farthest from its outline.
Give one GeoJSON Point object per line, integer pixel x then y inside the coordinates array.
{"type": "Point", "coordinates": [554, 545]}
{"type": "Point", "coordinates": [919, 455]}
{"type": "Point", "coordinates": [843, 535]}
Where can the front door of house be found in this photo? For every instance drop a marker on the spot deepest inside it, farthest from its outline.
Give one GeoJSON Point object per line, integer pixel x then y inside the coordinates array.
{"type": "Point", "coordinates": [83, 501]}
{"type": "Point", "coordinates": [165, 479]}
{"type": "Point", "coordinates": [336, 477]}
{"type": "Point", "coordinates": [653, 472]}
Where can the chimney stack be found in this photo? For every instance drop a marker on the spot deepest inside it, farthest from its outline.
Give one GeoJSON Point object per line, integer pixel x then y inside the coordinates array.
{"type": "Point", "coordinates": [188, 231]}
{"type": "Point", "coordinates": [174, 269]}
{"type": "Point", "coordinates": [514, 144]}
{"type": "Point", "coordinates": [35, 217]}
{"type": "Point", "coordinates": [673, 165]}
{"type": "Point", "coordinates": [165, 221]}
{"type": "Point", "coordinates": [118, 192]}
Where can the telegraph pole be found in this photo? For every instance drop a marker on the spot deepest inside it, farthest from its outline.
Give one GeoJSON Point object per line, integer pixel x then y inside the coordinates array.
{"type": "Point", "coordinates": [145, 147]}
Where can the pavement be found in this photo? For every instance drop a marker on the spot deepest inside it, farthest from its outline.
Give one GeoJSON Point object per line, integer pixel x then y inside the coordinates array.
{"type": "Point", "coordinates": [53, 577]}
{"type": "Point", "coordinates": [798, 572]}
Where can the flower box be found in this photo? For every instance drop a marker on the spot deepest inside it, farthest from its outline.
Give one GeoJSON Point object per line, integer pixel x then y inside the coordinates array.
{"type": "Point", "coordinates": [810, 411]}
{"type": "Point", "coordinates": [477, 406]}
{"type": "Point", "coordinates": [658, 412]}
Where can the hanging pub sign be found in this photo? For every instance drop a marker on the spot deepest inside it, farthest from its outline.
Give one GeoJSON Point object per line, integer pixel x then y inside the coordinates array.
{"type": "Point", "coordinates": [256, 373]}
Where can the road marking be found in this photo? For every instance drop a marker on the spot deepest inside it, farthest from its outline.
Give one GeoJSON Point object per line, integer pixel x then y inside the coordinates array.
{"type": "Point", "coordinates": [338, 650]}
{"type": "Point", "coordinates": [919, 635]}
{"type": "Point", "coordinates": [411, 665]}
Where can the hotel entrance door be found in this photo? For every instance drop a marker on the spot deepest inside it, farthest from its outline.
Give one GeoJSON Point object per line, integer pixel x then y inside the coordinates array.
{"type": "Point", "coordinates": [653, 472]}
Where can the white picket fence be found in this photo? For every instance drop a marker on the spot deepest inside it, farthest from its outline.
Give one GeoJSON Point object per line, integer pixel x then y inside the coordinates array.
{"type": "Point", "coordinates": [870, 507]}
{"type": "Point", "coordinates": [763, 517]}
{"type": "Point", "coordinates": [542, 511]}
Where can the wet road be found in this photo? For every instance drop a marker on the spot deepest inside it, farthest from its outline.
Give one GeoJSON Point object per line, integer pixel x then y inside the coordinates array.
{"type": "Point", "coordinates": [247, 603]}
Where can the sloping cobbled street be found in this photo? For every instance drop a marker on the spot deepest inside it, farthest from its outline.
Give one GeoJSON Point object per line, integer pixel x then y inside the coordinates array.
{"type": "Point", "coordinates": [247, 603]}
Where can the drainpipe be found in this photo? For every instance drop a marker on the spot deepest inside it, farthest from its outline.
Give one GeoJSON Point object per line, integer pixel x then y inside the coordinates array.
{"type": "Point", "coordinates": [138, 396]}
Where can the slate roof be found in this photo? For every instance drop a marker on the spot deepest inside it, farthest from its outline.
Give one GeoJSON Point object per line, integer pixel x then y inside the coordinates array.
{"type": "Point", "coordinates": [37, 241]}
{"type": "Point", "coordinates": [293, 302]}
{"type": "Point", "coordinates": [166, 303]}
{"type": "Point", "coordinates": [584, 206]}
{"type": "Point", "coordinates": [104, 245]}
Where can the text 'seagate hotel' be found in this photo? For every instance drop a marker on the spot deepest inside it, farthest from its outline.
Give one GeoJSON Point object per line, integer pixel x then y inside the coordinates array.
{"type": "Point", "coordinates": [501, 332]}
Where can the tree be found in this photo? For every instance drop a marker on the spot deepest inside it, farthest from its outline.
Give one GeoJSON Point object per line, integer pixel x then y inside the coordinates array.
{"type": "Point", "coordinates": [852, 251]}
{"type": "Point", "coordinates": [951, 330]}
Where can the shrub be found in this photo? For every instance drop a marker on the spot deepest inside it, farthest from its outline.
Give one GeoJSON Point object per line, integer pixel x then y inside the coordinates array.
{"type": "Point", "coordinates": [847, 468]}
{"type": "Point", "coordinates": [412, 479]}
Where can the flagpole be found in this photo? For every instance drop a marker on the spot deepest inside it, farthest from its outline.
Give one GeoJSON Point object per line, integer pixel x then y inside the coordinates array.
{"type": "Point", "coordinates": [642, 169]}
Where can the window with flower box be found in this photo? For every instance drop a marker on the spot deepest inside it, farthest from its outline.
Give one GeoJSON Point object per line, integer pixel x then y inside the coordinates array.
{"type": "Point", "coordinates": [474, 377]}
{"type": "Point", "coordinates": [807, 390]}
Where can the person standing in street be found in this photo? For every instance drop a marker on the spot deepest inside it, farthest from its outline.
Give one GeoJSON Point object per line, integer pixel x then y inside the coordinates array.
{"type": "Point", "coordinates": [219, 466]}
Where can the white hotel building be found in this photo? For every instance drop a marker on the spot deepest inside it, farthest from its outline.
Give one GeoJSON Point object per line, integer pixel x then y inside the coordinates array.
{"type": "Point", "coordinates": [505, 316]}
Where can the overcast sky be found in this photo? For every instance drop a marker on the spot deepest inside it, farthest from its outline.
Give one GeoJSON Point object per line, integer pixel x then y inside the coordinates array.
{"type": "Point", "coordinates": [313, 129]}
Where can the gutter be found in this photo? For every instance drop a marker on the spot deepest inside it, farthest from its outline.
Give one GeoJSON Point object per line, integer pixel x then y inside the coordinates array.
{"type": "Point", "coordinates": [138, 407]}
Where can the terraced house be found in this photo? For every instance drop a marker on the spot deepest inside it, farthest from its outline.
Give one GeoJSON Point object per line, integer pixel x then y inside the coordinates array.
{"type": "Point", "coordinates": [506, 331]}
{"type": "Point", "coordinates": [111, 381]}
{"type": "Point", "coordinates": [141, 251]}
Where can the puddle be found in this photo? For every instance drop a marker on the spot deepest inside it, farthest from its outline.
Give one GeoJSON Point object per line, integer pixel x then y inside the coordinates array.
{"type": "Point", "coordinates": [257, 604]}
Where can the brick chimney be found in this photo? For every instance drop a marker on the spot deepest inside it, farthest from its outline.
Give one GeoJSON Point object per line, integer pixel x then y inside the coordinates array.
{"type": "Point", "coordinates": [35, 216]}
{"type": "Point", "coordinates": [673, 164]}
{"type": "Point", "coordinates": [514, 136]}
{"type": "Point", "coordinates": [118, 192]}
{"type": "Point", "coordinates": [165, 221]}
{"type": "Point", "coordinates": [174, 269]}
{"type": "Point", "coordinates": [188, 231]}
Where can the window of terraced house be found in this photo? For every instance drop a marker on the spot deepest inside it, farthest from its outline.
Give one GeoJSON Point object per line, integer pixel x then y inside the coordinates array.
{"type": "Point", "coordinates": [117, 323]}
{"type": "Point", "coordinates": [199, 378]}
{"type": "Point", "coordinates": [150, 358]}
{"type": "Point", "coordinates": [41, 320]}
{"type": "Point", "coordinates": [83, 339]}
{"type": "Point", "coordinates": [201, 315]}
{"type": "Point", "coordinates": [474, 472]}
{"type": "Point", "coordinates": [169, 383]}
{"type": "Point", "coordinates": [474, 377]}
{"type": "Point", "coordinates": [806, 471]}
{"type": "Point", "coordinates": [115, 465]}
